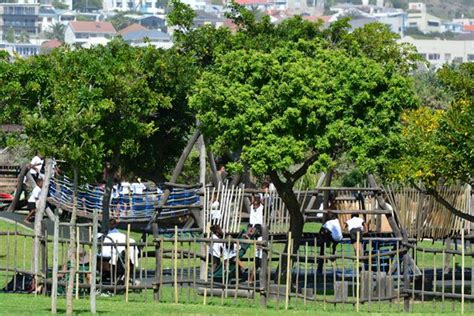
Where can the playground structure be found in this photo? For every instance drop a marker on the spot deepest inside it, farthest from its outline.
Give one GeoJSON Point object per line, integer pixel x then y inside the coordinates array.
{"type": "Point", "coordinates": [387, 270]}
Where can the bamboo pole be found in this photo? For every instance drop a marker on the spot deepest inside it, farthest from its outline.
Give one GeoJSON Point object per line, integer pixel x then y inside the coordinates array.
{"type": "Point", "coordinates": [77, 262]}
{"type": "Point", "coordinates": [462, 271]}
{"type": "Point", "coordinates": [54, 288]}
{"type": "Point", "coordinates": [237, 274]}
{"type": "Point", "coordinates": [127, 264]}
{"type": "Point", "coordinates": [357, 273]}
{"type": "Point", "coordinates": [95, 229]}
{"type": "Point", "coordinates": [453, 277]}
{"type": "Point", "coordinates": [305, 273]}
{"type": "Point", "coordinates": [288, 271]}
{"type": "Point", "coordinates": [370, 275]}
{"type": "Point", "coordinates": [15, 252]}
{"type": "Point", "coordinates": [204, 301]}
{"type": "Point", "coordinates": [175, 265]}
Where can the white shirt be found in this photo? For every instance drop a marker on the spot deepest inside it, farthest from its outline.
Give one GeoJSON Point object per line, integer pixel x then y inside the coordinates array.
{"type": "Point", "coordinates": [215, 211]}
{"type": "Point", "coordinates": [34, 194]}
{"type": "Point", "coordinates": [256, 215]}
{"type": "Point", "coordinates": [125, 188]}
{"type": "Point", "coordinates": [335, 228]}
{"type": "Point", "coordinates": [137, 188]}
{"type": "Point", "coordinates": [355, 222]}
{"type": "Point", "coordinates": [36, 164]}
{"type": "Point", "coordinates": [114, 251]}
{"type": "Point", "coordinates": [217, 249]}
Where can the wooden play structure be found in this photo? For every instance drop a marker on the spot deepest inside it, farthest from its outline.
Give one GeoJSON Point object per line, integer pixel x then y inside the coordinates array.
{"type": "Point", "coordinates": [391, 268]}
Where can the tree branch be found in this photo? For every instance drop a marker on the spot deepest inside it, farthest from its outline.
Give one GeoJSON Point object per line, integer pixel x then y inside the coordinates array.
{"type": "Point", "coordinates": [302, 170]}
{"type": "Point", "coordinates": [434, 193]}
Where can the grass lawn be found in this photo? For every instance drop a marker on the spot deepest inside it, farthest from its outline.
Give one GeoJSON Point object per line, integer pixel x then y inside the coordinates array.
{"type": "Point", "coordinates": [142, 303]}
{"type": "Point", "coordinates": [23, 304]}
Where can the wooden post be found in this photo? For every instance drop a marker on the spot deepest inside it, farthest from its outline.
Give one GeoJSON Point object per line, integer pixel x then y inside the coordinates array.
{"type": "Point", "coordinates": [357, 273]}
{"type": "Point", "coordinates": [204, 302]}
{"type": "Point", "coordinates": [406, 283]}
{"type": "Point", "coordinates": [175, 265]}
{"type": "Point", "coordinates": [156, 287]}
{"type": "Point", "coordinates": [77, 262]}
{"type": "Point", "coordinates": [95, 230]}
{"type": "Point", "coordinates": [44, 254]}
{"type": "Point", "coordinates": [127, 263]}
{"type": "Point", "coordinates": [263, 269]}
{"type": "Point", "coordinates": [462, 271]}
{"type": "Point", "coordinates": [288, 270]}
{"type": "Point", "coordinates": [54, 287]}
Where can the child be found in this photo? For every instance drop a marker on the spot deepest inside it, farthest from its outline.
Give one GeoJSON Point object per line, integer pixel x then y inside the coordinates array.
{"type": "Point", "coordinates": [356, 225]}
{"type": "Point", "coordinates": [33, 199]}
{"type": "Point", "coordinates": [256, 212]}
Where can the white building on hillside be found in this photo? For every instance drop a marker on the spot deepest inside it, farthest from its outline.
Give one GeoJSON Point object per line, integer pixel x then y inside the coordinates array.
{"type": "Point", "coordinates": [85, 32]}
{"type": "Point", "coordinates": [420, 19]}
{"type": "Point", "coordinates": [438, 52]}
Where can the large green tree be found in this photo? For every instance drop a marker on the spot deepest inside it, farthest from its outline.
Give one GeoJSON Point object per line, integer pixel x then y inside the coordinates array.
{"type": "Point", "coordinates": [108, 105]}
{"type": "Point", "coordinates": [290, 96]}
{"type": "Point", "coordinates": [299, 105]}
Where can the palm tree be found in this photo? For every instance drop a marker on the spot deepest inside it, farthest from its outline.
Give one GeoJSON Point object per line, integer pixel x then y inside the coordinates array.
{"type": "Point", "coordinates": [56, 31]}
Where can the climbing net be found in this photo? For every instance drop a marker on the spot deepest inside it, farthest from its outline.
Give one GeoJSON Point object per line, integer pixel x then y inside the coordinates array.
{"type": "Point", "coordinates": [131, 205]}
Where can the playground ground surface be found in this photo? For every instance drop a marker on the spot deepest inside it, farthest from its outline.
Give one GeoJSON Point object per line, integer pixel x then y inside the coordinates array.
{"type": "Point", "coordinates": [28, 304]}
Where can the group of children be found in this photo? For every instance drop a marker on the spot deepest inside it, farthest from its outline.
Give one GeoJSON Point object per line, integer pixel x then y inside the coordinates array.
{"type": "Point", "coordinates": [222, 252]}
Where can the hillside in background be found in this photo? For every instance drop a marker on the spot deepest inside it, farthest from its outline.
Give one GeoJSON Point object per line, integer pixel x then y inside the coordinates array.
{"type": "Point", "coordinates": [446, 9]}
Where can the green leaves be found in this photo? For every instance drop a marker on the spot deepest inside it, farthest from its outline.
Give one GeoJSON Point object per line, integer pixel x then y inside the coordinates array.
{"type": "Point", "coordinates": [104, 104]}
{"type": "Point", "coordinates": [438, 144]}
{"type": "Point", "coordinates": [283, 106]}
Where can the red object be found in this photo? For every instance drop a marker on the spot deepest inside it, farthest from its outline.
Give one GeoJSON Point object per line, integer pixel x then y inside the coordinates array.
{"type": "Point", "coordinates": [6, 197]}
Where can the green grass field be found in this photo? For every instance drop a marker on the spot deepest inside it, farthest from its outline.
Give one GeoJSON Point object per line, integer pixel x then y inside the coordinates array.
{"type": "Point", "coordinates": [21, 249]}
{"type": "Point", "coordinates": [28, 304]}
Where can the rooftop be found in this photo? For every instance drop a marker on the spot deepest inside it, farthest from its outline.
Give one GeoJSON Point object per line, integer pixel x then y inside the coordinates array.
{"type": "Point", "coordinates": [131, 28]}
{"type": "Point", "coordinates": [92, 27]}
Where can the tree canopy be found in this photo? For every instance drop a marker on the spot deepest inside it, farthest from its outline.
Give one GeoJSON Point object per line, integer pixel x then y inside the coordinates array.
{"type": "Point", "coordinates": [119, 103]}
{"type": "Point", "coordinates": [291, 96]}
{"type": "Point", "coordinates": [438, 144]}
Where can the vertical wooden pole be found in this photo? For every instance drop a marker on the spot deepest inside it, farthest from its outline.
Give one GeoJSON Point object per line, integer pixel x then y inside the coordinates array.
{"type": "Point", "coordinates": [127, 263]}
{"type": "Point", "coordinates": [263, 269]}
{"type": "Point", "coordinates": [462, 271]}
{"type": "Point", "coordinates": [158, 245]}
{"type": "Point", "coordinates": [305, 273]}
{"type": "Point", "coordinates": [288, 270]}
{"type": "Point", "coordinates": [204, 301]}
{"type": "Point", "coordinates": [44, 254]}
{"type": "Point", "coordinates": [357, 273]}
{"type": "Point", "coordinates": [175, 265]}
{"type": "Point", "coordinates": [406, 283]}
{"type": "Point", "coordinates": [370, 274]}
{"type": "Point", "coordinates": [77, 262]}
{"type": "Point", "coordinates": [95, 230]}
{"type": "Point", "coordinates": [54, 287]}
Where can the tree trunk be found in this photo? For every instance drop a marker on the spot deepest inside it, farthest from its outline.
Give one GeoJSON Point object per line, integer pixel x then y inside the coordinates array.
{"type": "Point", "coordinates": [286, 193]}
{"type": "Point", "coordinates": [39, 215]}
{"type": "Point", "coordinates": [72, 247]}
{"type": "Point", "coordinates": [110, 174]}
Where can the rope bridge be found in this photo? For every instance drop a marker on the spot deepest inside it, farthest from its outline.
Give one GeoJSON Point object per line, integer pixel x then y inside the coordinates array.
{"type": "Point", "coordinates": [130, 206]}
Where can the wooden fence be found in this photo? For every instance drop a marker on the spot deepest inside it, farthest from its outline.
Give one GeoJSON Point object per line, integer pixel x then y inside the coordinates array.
{"type": "Point", "coordinates": [179, 269]}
